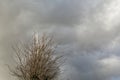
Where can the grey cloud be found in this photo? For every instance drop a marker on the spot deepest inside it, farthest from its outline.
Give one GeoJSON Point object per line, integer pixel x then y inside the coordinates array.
{"type": "Point", "coordinates": [85, 31]}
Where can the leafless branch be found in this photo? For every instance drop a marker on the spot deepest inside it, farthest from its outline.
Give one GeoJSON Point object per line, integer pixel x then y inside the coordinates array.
{"type": "Point", "coordinates": [37, 61]}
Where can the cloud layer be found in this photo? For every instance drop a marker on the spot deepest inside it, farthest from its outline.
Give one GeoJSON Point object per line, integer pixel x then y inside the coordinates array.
{"type": "Point", "coordinates": [87, 32]}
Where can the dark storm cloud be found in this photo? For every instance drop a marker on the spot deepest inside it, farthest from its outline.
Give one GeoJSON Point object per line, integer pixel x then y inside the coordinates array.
{"type": "Point", "coordinates": [87, 32]}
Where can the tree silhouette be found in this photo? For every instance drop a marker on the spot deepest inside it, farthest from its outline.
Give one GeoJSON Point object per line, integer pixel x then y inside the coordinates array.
{"type": "Point", "coordinates": [37, 60]}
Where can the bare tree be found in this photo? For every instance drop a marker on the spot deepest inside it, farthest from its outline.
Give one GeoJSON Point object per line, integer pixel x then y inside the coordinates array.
{"type": "Point", "coordinates": [37, 60]}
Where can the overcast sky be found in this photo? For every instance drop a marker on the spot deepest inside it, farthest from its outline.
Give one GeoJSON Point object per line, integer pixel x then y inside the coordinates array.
{"type": "Point", "coordinates": [88, 33]}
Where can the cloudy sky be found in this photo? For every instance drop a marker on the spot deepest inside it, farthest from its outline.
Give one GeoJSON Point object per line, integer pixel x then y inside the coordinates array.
{"type": "Point", "coordinates": [87, 31]}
